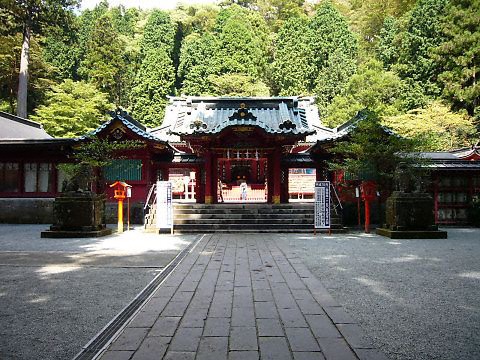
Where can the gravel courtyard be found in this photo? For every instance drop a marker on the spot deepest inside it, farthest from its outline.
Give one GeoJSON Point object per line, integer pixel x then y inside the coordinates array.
{"type": "Point", "coordinates": [417, 299]}
{"type": "Point", "coordinates": [56, 294]}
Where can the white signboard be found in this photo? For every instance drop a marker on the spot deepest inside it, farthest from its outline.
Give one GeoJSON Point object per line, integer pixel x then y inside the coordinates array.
{"type": "Point", "coordinates": [322, 204]}
{"type": "Point", "coordinates": [164, 205]}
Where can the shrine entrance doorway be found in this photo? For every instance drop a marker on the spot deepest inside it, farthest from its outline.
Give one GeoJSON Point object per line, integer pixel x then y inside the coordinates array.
{"type": "Point", "coordinates": [241, 175]}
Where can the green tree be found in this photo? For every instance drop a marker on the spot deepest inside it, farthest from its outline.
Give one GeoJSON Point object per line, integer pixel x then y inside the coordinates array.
{"type": "Point", "coordinates": [293, 70]}
{"type": "Point", "coordinates": [104, 63]}
{"type": "Point", "coordinates": [386, 48]}
{"type": "Point", "coordinates": [159, 32]}
{"type": "Point", "coordinates": [371, 87]}
{"type": "Point", "coordinates": [72, 109]}
{"type": "Point", "coordinates": [197, 62]}
{"type": "Point", "coordinates": [232, 84]}
{"type": "Point", "coordinates": [442, 129]}
{"type": "Point", "coordinates": [333, 79]}
{"type": "Point", "coordinates": [459, 55]}
{"type": "Point", "coordinates": [330, 33]}
{"type": "Point", "coordinates": [371, 150]}
{"type": "Point", "coordinates": [155, 80]}
{"type": "Point", "coordinates": [34, 16]}
{"type": "Point", "coordinates": [242, 46]}
{"type": "Point", "coordinates": [422, 34]}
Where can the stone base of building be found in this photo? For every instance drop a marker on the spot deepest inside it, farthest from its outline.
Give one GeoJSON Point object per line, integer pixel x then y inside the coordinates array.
{"type": "Point", "coordinates": [63, 234]}
{"type": "Point", "coordinates": [412, 234]}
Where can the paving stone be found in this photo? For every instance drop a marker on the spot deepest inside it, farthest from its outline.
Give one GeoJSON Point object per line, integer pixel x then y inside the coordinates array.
{"type": "Point", "coordinates": [217, 327]}
{"type": "Point", "coordinates": [143, 320]}
{"type": "Point", "coordinates": [262, 295]}
{"type": "Point", "coordinates": [292, 318]}
{"type": "Point", "coordinates": [274, 348]}
{"type": "Point", "coordinates": [301, 339]}
{"type": "Point", "coordinates": [243, 316]}
{"type": "Point", "coordinates": [243, 355]}
{"type": "Point", "coordinates": [310, 307]}
{"type": "Point", "coordinates": [269, 327]}
{"type": "Point", "coordinates": [322, 326]}
{"type": "Point", "coordinates": [188, 286]}
{"type": "Point", "coordinates": [355, 336]}
{"type": "Point", "coordinates": [243, 338]}
{"type": "Point", "coordinates": [194, 318]}
{"type": "Point", "coordinates": [302, 294]}
{"type": "Point", "coordinates": [179, 355]}
{"type": "Point", "coordinates": [260, 284]}
{"type": "Point", "coordinates": [130, 339]}
{"type": "Point", "coordinates": [339, 315]}
{"type": "Point", "coordinates": [242, 297]}
{"type": "Point", "coordinates": [153, 347]}
{"type": "Point", "coordinates": [265, 310]}
{"type": "Point", "coordinates": [186, 339]}
{"type": "Point", "coordinates": [175, 308]}
{"type": "Point", "coordinates": [165, 291]}
{"type": "Point", "coordinates": [182, 296]}
{"type": "Point", "coordinates": [117, 355]}
{"type": "Point", "coordinates": [336, 349]}
{"type": "Point", "coordinates": [308, 356]}
{"type": "Point", "coordinates": [213, 348]}
{"type": "Point", "coordinates": [165, 326]}
{"type": "Point", "coordinates": [155, 305]}
{"type": "Point", "coordinates": [220, 311]}
{"type": "Point", "coordinates": [201, 301]}
{"type": "Point", "coordinates": [370, 354]}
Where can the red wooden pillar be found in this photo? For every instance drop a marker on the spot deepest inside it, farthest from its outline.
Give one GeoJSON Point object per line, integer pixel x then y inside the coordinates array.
{"type": "Point", "coordinates": [198, 185]}
{"type": "Point", "coordinates": [277, 176]}
{"type": "Point", "coordinates": [285, 196]}
{"type": "Point", "coordinates": [208, 178]}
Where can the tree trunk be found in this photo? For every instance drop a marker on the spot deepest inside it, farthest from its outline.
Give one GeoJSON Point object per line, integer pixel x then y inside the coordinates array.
{"type": "Point", "coordinates": [23, 75]}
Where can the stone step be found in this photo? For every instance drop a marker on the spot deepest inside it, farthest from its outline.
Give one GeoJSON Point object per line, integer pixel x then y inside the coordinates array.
{"type": "Point", "coordinates": [244, 221]}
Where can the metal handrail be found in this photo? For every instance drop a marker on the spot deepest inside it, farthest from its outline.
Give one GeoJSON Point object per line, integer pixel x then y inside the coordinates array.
{"type": "Point", "coordinates": [150, 192]}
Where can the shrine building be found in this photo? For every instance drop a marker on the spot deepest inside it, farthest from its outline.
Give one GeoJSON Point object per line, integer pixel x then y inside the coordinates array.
{"type": "Point", "coordinates": [211, 149]}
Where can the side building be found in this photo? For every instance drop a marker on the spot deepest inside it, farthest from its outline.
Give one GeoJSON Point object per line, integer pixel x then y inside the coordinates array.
{"type": "Point", "coordinates": [211, 149]}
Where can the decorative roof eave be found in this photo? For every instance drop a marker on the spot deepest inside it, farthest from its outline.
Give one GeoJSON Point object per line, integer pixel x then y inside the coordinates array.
{"type": "Point", "coordinates": [134, 126]}
{"type": "Point", "coordinates": [268, 130]}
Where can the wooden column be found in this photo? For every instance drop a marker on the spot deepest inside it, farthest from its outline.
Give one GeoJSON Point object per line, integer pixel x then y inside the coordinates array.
{"type": "Point", "coordinates": [208, 178]}
{"type": "Point", "coordinates": [277, 176]}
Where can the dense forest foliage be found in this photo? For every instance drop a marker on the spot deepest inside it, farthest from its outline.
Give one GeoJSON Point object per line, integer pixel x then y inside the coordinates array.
{"type": "Point", "coordinates": [414, 63]}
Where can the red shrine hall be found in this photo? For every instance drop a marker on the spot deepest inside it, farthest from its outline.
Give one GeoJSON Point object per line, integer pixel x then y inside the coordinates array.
{"type": "Point", "coordinates": [213, 150]}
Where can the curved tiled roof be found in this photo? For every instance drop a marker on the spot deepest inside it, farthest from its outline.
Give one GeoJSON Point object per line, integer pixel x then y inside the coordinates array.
{"type": "Point", "coordinates": [204, 116]}
{"type": "Point", "coordinates": [129, 123]}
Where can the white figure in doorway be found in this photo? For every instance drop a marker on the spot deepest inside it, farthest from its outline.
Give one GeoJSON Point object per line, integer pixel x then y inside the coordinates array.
{"type": "Point", "coordinates": [243, 191]}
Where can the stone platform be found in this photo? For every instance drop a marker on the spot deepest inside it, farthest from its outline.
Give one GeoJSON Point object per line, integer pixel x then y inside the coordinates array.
{"type": "Point", "coordinates": [412, 234]}
{"type": "Point", "coordinates": [59, 234]}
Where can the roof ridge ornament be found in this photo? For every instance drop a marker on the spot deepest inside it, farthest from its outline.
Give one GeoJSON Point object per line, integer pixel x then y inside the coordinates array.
{"type": "Point", "coordinates": [287, 125]}
{"type": "Point", "coordinates": [242, 113]}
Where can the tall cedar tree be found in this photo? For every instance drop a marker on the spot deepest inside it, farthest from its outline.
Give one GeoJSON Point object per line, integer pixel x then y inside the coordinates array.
{"type": "Point", "coordinates": [459, 55]}
{"type": "Point", "coordinates": [331, 37]}
{"type": "Point", "coordinates": [104, 64]}
{"type": "Point", "coordinates": [293, 69]}
{"type": "Point", "coordinates": [155, 79]}
{"type": "Point", "coordinates": [423, 34]}
{"type": "Point", "coordinates": [34, 16]}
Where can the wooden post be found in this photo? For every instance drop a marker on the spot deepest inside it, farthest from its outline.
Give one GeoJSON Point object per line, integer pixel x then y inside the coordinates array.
{"type": "Point", "coordinates": [120, 216]}
{"type": "Point", "coordinates": [277, 176]}
{"type": "Point", "coordinates": [367, 216]}
{"type": "Point", "coordinates": [208, 178]}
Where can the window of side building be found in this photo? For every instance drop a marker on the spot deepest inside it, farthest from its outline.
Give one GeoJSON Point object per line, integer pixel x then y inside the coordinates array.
{"type": "Point", "coordinates": [9, 177]}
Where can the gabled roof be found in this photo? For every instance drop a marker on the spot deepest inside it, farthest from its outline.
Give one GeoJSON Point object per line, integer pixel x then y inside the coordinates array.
{"type": "Point", "coordinates": [129, 123]}
{"type": "Point", "coordinates": [325, 134]}
{"type": "Point", "coordinates": [211, 115]}
{"type": "Point", "coordinates": [17, 128]}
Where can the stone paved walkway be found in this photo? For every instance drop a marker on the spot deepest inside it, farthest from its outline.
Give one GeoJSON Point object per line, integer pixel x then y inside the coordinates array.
{"type": "Point", "coordinates": [241, 297]}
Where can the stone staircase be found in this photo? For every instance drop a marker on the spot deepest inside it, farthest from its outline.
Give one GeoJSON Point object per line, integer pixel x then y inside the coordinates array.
{"type": "Point", "coordinates": [241, 218]}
